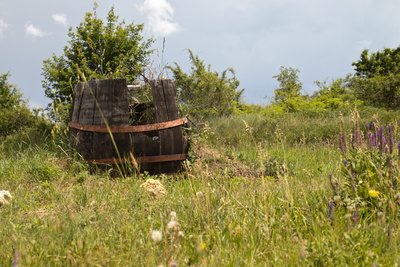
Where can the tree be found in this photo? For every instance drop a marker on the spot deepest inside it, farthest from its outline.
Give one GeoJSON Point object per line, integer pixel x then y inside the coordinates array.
{"type": "Point", "coordinates": [204, 92]}
{"type": "Point", "coordinates": [14, 113]}
{"type": "Point", "coordinates": [98, 50]}
{"type": "Point", "coordinates": [335, 95]}
{"type": "Point", "coordinates": [377, 78]}
{"type": "Point", "coordinates": [288, 94]}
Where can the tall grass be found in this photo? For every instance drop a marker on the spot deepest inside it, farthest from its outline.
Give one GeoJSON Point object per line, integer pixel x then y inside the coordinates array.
{"type": "Point", "coordinates": [231, 212]}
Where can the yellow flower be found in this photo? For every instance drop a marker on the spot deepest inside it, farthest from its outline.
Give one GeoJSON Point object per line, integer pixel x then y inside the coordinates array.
{"type": "Point", "coordinates": [373, 193]}
{"type": "Point", "coordinates": [201, 247]}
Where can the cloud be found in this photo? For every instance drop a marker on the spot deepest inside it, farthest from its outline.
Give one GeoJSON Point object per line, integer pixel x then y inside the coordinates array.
{"type": "Point", "coordinates": [3, 26]}
{"type": "Point", "coordinates": [60, 18]}
{"type": "Point", "coordinates": [33, 31]}
{"type": "Point", "coordinates": [159, 13]}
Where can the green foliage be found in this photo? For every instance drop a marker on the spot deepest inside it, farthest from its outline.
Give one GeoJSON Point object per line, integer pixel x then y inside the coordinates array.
{"type": "Point", "coordinates": [331, 97]}
{"type": "Point", "coordinates": [206, 93]}
{"type": "Point", "coordinates": [10, 97]}
{"type": "Point", "coordinates": [335, 96]}
{"type": "Point", "coordinates": [377, 78]}
{"type": "Point", "coordinates": [98, 50]}
{"type": "Point", "coordinates": [288, 95]}
{"type": "Point", "coordinates": [14, 113]}
{"type": "Point", "coordinates": [43, 171]}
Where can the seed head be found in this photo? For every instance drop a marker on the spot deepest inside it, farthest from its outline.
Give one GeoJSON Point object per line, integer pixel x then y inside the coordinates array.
{"type": "Point", "coordinates": [156, 236]}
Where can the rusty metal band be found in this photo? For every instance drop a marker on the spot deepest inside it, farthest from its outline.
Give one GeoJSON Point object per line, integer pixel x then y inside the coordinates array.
{"type": "Point", "coordinates": [141, 160]}
{"type": "Point", "coordinates": [129, 129]}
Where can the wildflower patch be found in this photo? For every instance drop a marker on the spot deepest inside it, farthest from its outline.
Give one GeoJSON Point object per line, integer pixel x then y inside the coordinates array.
{"type": "Point", "coordinates": [370, 170]}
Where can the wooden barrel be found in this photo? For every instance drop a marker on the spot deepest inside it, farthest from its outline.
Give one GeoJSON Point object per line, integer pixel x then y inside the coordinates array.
{"type": "Point", "coordinates": [100, 130]}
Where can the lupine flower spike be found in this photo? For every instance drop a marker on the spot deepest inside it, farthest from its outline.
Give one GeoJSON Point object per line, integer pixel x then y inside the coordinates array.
{"type": "Point", "coordinates": [331, 206]}
{"type": "Point", "coordinates": [391, 140]}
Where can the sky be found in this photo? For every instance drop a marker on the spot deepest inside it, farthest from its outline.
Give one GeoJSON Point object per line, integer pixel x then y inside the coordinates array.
{"type": "Point", "coordinates": [320, 38]}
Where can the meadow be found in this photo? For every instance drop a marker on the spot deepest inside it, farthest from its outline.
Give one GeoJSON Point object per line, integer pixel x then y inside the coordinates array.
{"type": "Point", "coordinates": [257, 191]}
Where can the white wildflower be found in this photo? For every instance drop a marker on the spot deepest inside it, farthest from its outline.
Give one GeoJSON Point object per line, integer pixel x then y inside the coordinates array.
{"type": "Point", "coordinates": [173, 225]}
{"type": "Point", "coordinates": [336, 198]}
{"type": "Point", "coordinates": [199, 194]}
{"type": "Point", "coordinates": [350, 208]}
{"type": "Point", "coordinates": [156, 235]}
{"type": "Point", "coordinates": [173, 216]}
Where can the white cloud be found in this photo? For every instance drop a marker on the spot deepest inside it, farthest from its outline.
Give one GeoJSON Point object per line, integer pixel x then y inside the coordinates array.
{"type": "Point", "coordinates": [159, 13]}
{"type": "Point", "coordinates": [33, 31]}
{"type": "Point", "coordinates": [60, 18]}
{"type": "Point", "coordinates": [3, 26]}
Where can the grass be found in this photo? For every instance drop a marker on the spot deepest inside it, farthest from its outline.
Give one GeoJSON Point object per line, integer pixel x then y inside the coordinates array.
{"type": "Point", "coordinates": [244, 202]}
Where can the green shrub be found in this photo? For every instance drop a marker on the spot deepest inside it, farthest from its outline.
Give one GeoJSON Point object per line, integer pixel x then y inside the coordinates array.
{"type": "Point", "coordinates": [14, 113]}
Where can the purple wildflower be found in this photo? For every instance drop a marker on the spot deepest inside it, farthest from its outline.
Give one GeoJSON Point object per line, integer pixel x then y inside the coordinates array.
{"type": "Point", "coordinates": [391, 141]}
{"type": "Point", "coordinates": [331, 206]}
{"type": "Point", "coordinates": [381, 138]}
{"type": "Point", "coordinates": [357, 136]}
{"type": "Point", "coordinates": [174, 263]}
{"type": "Point", "coordinates": [398, 147]}
{"type": "Point", "coordinates": [345, 162]}
{"type": "Point", "coordinates": [14, 262]}
{"type": "Point", "coordinates": [371, 140]}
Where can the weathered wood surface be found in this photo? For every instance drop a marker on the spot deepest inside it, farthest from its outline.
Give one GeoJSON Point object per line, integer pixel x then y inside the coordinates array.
{"type": "Point", "coordinates": [111, 106]}
{"type": "Point", "coordinates": [171, 140]}
{"type": "Point", "coordinates": [101, 101]}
